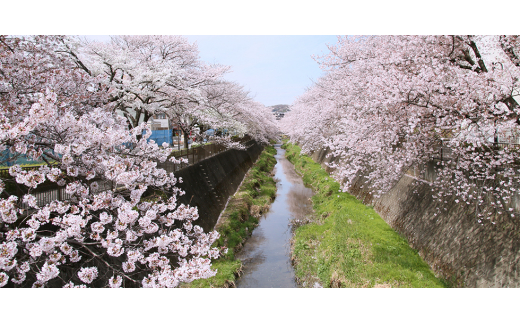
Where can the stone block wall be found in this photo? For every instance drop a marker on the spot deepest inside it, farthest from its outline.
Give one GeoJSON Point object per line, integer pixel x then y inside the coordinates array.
{"type": "Point", "coordinates": [451, 241]}
{"type": "Point", "coordinates": [209, 183]}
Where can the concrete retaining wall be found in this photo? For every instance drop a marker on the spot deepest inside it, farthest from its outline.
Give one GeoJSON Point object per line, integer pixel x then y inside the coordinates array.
{"type": "Point", "coordinates": [209, 183]}
{"type": "Point", "coordinates": [452, 242]}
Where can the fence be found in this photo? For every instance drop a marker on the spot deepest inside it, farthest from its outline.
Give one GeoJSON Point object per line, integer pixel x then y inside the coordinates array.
{"type": "Point", "coordinates": [428, 171]}
{"type": "Point", "coordinates": [49, 191]}
{"type": "Point", "coordinates": [195, 155]}
{"type": "Point", "coordinates": [4, 172]}
{"type": "Point", "coordinates": [443, 152]}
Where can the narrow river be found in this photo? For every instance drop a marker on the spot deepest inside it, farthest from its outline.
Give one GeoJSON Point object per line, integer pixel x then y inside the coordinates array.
{"type": "Point", "coordinates": [266, 254]}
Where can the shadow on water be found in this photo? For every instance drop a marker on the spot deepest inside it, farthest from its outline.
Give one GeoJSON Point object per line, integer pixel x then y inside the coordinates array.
{"type": "Point", "coordinates": [266, 254]}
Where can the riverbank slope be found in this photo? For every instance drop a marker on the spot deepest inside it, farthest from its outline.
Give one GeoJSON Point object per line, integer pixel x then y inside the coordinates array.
{"type": "Point", "coordinates": [347, 244]}
{"type": "Point", "coordinates": [252, 199]}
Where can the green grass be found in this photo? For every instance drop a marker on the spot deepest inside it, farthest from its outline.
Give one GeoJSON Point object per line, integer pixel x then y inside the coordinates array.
{"type": "Point", "coordinates": [240, 217]}
{"type": "Point", "coordinates": [348, 244]}
{"type": "Point", "coordinates": [25, 165]}
{"type": "Point", "coordinates": [225, 277]}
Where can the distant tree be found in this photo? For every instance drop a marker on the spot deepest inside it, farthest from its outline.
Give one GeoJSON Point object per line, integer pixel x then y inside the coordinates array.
{"type": "Point", "coordinates": [228, 106]}
{"type": "Point", "coordinates": [145, 75]}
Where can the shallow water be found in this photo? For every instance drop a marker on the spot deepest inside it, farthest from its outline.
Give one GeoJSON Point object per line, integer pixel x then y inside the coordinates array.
{"type": "Point", "coordinates": [266, 254]}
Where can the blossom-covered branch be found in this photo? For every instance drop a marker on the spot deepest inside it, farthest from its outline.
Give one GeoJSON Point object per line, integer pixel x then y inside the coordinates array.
{"type": "Point", "coordinates": [121, 224]}
{"type": "Point", "coordinates": [386, 103]}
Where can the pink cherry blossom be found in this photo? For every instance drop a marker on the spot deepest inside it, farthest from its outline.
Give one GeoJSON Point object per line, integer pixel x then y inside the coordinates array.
{"type": "Point", "coordinates": [386, 103]}
{"type": "Point", "coordinates": [74, 107]}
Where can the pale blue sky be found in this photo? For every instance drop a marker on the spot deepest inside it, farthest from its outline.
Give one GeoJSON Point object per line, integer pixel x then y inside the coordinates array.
{"type": "Point", "coordinates": [274, 69]}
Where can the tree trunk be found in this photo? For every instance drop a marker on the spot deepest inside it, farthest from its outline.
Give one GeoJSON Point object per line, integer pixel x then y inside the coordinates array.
{"type": "Point", "coordinates": [186, 138]}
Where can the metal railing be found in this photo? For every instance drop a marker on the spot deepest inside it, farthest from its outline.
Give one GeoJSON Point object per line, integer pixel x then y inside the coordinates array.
{"type": "Point", "coordinates": [192, 155]}
{"type": "Point", "coordinates": [4, 172]}
{"type": "Point", "coordinates": [443, 152]}
{"type": "Point", "coordinates": [49, 191]}
{"type": "Point", "coordinates": [195, 155]}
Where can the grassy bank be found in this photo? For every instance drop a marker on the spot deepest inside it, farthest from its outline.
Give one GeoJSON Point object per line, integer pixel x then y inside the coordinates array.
{"type": "Point", "coordinates": [240, 217]}
{"type": "Point", "coordinates": [347, 244]}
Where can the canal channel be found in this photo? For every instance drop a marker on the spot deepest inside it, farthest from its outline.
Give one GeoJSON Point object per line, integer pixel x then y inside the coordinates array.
{"type": "Point", "coordinates": [266, 255]}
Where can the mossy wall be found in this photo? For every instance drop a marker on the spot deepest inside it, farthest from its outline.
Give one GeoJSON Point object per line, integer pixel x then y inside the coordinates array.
{"type": "Point", "coordinates": [209, 183]}
{"type": "Point", "coordinates": [447, 235]}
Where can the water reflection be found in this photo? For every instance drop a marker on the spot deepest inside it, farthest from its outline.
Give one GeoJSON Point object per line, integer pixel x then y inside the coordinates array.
{"type": "Point", "coordinates": [266, 254]}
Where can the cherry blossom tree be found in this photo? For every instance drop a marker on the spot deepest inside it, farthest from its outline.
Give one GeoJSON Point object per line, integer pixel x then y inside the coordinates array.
{"type": "Point", "coordinates": [228, 106]}
{"type": "Point", "coordinates": [146, 75]}
{"type": "Point", "coordinates": [386, 103]}
{"type": "Point", "coordinates": [260, 121]}
{"type": "Point", "coordinates": [149, 75]}
{"type": "Point", "coordinates": [121, 225]}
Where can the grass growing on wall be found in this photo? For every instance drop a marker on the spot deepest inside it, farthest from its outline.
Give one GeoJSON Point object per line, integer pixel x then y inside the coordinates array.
{"type": "Point", "coordinates": [347, 244]}
{"type": "Point", "coordinates": [26, 165]}
{"type": "Point", "coordinates": [240, 217]}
